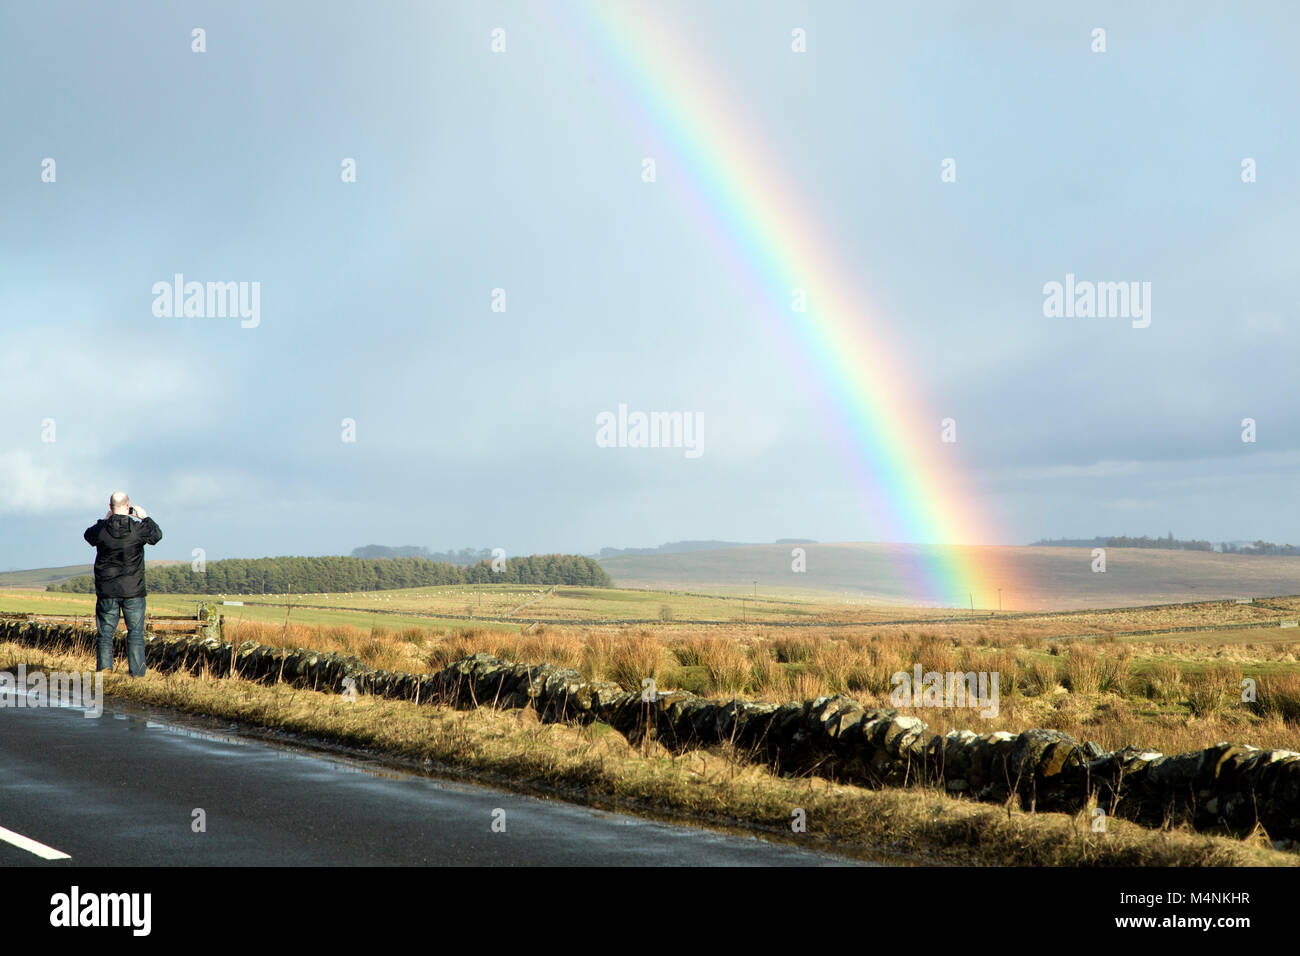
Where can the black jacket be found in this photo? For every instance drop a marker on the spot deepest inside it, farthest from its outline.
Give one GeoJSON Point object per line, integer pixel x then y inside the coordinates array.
{"type": "Point", "coordinates": [119, 561]}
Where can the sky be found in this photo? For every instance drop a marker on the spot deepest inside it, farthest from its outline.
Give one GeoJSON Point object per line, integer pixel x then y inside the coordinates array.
{"type": "Point", "coordinates": [521, 169]}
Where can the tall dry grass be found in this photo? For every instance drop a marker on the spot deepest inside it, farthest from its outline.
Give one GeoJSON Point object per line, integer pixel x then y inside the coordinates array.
{"type": "Point", "coordinates": [727, 666]}
{"type": "Point", "coordinates": [635, 658]}
{"type": "Point", "coordinates": [1163, 681]}
{"type": "Point", "coordinates": [1091, 690]}
{"type": "Point", "coordinates": [1278, 695]}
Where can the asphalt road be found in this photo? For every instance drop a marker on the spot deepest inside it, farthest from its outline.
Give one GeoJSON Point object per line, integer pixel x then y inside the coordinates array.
{"type": "Point", "coordinates": [123, 788]}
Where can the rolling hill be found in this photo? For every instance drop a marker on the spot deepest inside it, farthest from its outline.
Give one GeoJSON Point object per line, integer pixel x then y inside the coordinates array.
{"type": "Point", "coordinates": [40, 578]}
{"type": "Point", "coordinates": [1031, 578]}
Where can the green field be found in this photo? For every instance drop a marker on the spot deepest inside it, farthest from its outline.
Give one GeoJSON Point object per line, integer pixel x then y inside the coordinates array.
{"type": "Point", "coordinates": [508, 605]}
{"type": "Point", "coordinates": [260, 608]}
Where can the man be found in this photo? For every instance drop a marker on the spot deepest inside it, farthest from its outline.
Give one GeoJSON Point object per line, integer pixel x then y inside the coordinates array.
{"type": "Point", "coordinates": [119, 577]}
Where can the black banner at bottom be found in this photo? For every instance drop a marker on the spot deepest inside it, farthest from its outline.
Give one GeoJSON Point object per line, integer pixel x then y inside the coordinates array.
{"type": "Point", "coordinates": [334, 905]}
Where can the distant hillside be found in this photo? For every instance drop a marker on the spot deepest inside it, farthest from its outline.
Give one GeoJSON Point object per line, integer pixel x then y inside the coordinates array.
{"type": "Point", "coordinates": [685, 547]}
{"type": "Point", "coordinates": [1031, 578]}
{"type": "Point", "coordinates": [41, 577]}
{"type": "Point", "coordinates": [44, 577]}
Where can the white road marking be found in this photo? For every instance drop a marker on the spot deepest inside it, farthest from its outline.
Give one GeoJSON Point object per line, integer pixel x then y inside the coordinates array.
{"type": "Point", "coordinates": [31, 846]}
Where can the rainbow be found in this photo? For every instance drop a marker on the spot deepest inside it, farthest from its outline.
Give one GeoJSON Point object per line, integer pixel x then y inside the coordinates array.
{"type": "Point", "coordinates": [750, 211]}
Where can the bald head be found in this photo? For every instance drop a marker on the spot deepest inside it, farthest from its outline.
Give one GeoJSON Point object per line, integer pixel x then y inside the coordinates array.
{"type": "Point", "coordinates": [119, 503]}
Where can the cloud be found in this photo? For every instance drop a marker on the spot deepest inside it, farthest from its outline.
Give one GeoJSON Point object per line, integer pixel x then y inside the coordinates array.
{"type": "Point", "coordinates": [30, 486]}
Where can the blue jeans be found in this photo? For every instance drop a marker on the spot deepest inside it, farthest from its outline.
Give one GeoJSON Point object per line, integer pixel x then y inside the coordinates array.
{"type": "Point", "coordinates": [106, 612]}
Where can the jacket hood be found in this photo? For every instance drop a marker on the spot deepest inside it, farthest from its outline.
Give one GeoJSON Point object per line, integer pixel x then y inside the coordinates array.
{"type": "Point", "coordinates": [119, 526]}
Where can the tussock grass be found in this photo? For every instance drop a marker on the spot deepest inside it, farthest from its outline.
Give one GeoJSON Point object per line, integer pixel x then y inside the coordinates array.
{"type": "Point", "coordinates": [768, 678]}
{"type": "Point", "coordinates": [1279, 696]}
{"type": "Point", "coordinates": [1209, 693]}
{"type": "Point", "coordinates": [1163, 681]}
{"type": "Point", "coordinates": [793, 649]}
{"type": "Point", "coordinates": [1041, 677]}
{"type": "Point", "coordinates": [833, 662]}
{"type": "Point", "coordinates": [728, 667]}
{"type": "Point", "coordinates": [690, 652]}
{"type": "Point", "coordinates": [635, 658]}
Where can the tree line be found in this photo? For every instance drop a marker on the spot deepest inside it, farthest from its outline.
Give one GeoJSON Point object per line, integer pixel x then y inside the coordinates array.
{"type": "Point", "coordinates": [1170, 543]}
{"type": "Point", "coordinates": [338, 574]}
{"type": "Point", "coordinates": [1262, 547]}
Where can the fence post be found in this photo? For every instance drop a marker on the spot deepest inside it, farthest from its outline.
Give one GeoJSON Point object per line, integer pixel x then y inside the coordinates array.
{"type": "Point", "coordinates": [210, 621]}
